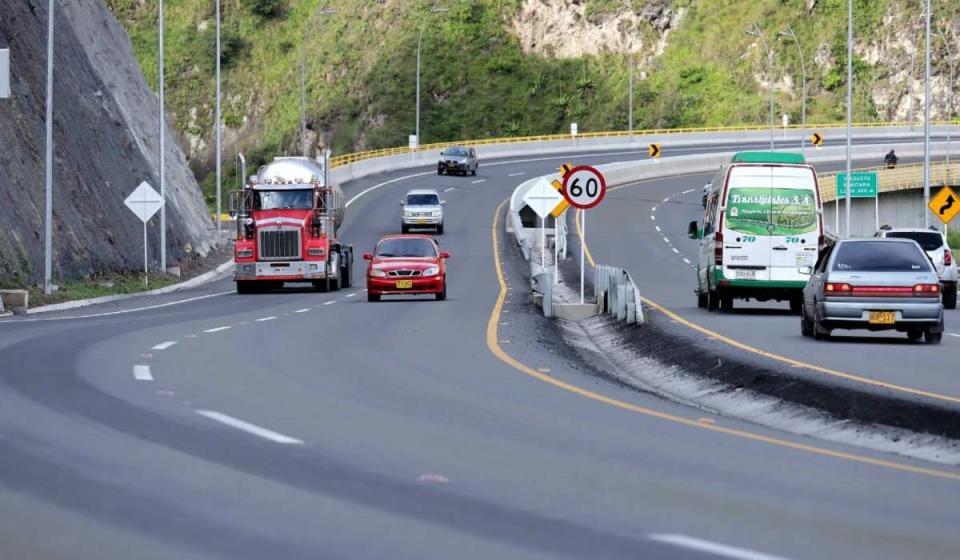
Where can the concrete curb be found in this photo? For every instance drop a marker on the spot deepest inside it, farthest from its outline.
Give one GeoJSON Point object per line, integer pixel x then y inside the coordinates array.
{"type": "Point", "coordinates": [191, 283]}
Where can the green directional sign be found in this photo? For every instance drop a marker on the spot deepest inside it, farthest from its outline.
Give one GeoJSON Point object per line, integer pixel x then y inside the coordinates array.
{"type": "Point", "coordinates": [864, 185]}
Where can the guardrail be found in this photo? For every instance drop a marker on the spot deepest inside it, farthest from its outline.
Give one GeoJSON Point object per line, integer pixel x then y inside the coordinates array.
{"type": "Point", "coordinates": [617, 294]}
{"type": "Point", "coordinates": [370, 154]}
{"type": "Point", "coordinates": [902, 177]}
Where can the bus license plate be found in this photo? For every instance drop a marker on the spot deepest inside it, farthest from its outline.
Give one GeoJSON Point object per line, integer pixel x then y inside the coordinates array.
{"type": "Point", "coordinates": [882, 317]}
{"type": "Point", "coordinates": [745, 274]}
{"type": "Point", "coordinates": [404, 284]}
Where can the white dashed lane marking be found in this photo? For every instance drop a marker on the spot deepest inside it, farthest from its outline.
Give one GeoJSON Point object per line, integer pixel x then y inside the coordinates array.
{"type": "Point", "coordinates": [477, 181]}
{"type": "Point", "coordinates": [302, 310]}
{"type": "Point", "coordinates": [330, 302]}
{"type": "Point", "coordinates": [686, 260]}
{"type": "Point", "coordinates": [451, 188]}
{"type": "Point", "coordinates": [688, 191]}
{"type": "Point", "coordinates": [659, 230]}
{"type": "Point", "coordinates": [952, 334]}
{"type": "Point", "coordinates": [716, 549]}
{"type": "Point", "coordinates": [678, 252]}
{"type": "Point", "coordinates": [355, 293]}
{"type": "Point", "coordinates": [164, 345]}
{"type": "Point", "coordinates": [518, 174]}
{"type": "Point", "coordinates": [142, 373]}
{"type": "Point", "coordinates": [217, 329]}
{"type": "Point", "coordinates": [263, 319]}
{"type": "Point", "coordinates": [249, 428]}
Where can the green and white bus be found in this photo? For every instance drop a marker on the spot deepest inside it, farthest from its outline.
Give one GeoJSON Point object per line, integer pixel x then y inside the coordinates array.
{"type": "Point", "coordinates": [762, 224]}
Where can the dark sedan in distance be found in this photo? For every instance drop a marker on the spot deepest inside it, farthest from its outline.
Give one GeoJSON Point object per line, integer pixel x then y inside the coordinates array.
{"type": "Point", "coordinates": [457, 159]}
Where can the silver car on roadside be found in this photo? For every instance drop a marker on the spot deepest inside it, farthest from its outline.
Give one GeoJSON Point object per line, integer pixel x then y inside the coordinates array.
{"type": "Point", "coordinates": [874, 284]}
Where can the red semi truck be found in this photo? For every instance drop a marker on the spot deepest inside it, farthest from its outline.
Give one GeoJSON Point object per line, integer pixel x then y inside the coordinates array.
{"type": "Point", "coordinates": [288, 223]}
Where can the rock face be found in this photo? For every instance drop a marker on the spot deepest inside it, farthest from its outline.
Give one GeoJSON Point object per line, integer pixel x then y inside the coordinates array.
{"type": "Point", "coordinates": [105, 143]}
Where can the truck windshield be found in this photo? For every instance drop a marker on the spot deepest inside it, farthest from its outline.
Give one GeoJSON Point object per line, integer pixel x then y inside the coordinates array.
{"type": "Point", "coordinates": [283, 200]}
{"type": "Point", "coordinates": [878, 256]}
{"type": "Point", "coordinates": [422, 200]}
{"type": "Point", "coordinates": [406, 247]}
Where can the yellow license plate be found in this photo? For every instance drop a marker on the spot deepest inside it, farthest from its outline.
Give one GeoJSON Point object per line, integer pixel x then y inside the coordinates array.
{"type": "Point", "coordinates": [882, 317]}
{"type": "Point", "coordinates": [421, 220]}
{"type": "Point", "coordinates": [404, 284]}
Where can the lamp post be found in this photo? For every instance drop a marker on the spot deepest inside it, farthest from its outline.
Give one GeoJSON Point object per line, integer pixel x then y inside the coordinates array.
{"type": "Point", "coordinates": [755, 31]}
{"type": "Point", "coordinates": [849, 111]}
{"type": "Point", "coordinates": [48, 206]}
{"type": "Point", "coordinates": [217, 123]}
{"type": "Point", "coordinates": [803, 100]}
{"type": "Point", "coordinates": [926, 120]}
{"type": "Point", "coordinates": [423, 27]}
{"type": "Point", "coordinates": [303, 89]}
{"type": "Point", "coordinates": [163, 192]}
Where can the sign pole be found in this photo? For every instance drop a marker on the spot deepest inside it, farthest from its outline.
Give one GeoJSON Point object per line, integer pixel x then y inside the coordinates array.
{"type": "Point", "coordinates": [556, 252]}
{"type": "Point", "coordinates": [583, 244]}
{"type": "Point", "coordinates": [876, 211]}
{"type": "Point", "coordinates": [146, 273]}
{"type": "Point", "coordinates": [543, 243]}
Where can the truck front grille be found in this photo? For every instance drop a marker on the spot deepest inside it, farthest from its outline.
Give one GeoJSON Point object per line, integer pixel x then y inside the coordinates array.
{"type": "Point", "coordinates": [279, 244]}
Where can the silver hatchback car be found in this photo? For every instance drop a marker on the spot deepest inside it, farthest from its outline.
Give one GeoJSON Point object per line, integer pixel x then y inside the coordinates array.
{"type": "Point", "coordinates": [875, 284]}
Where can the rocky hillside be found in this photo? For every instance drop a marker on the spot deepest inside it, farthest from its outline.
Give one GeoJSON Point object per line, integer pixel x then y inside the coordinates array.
{"type": "Point", "coordinates": [514, 67]}
{"type": "Point", "coordinates": [105, 144]}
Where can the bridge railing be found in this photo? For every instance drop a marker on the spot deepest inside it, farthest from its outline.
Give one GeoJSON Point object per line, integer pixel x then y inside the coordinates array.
{"type": "Point", "coordinates": [346, 159]}
{"type": "Point", "coordinates": [902, 177]}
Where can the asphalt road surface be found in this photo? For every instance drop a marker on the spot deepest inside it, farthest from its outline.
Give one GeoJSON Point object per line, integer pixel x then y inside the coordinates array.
{"type": "Point", "coordinates": [304, 425]}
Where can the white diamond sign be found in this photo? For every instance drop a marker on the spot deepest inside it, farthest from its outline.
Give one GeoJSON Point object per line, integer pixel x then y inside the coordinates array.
{"type": "Point", "coordinates": [542, 198]}
{"type": "Point", "coordinates": [144, 201]}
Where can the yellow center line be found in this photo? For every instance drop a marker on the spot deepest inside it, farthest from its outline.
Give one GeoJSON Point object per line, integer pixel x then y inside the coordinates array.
{"type": "Point", "coordinates": [494, 346]}
{"type": "Point", "coordinates": [753, 350]}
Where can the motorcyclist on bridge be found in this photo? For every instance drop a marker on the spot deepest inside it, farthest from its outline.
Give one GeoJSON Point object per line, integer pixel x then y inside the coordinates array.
{"type": "Point", "coordinates": [890, 159]}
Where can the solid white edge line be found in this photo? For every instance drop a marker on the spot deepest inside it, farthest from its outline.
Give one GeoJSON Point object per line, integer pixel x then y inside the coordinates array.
{"type": "Point", "coordinates": [717, 549]}
{"type": "Point", "coordinates": [164, 345]}
{"type": "Point", "coordinates": [141, 372]}
{"type": "Point", "coordinates": [216, 329]}
{"type": "Point", "coordinates": [263, 319]}
{"type": "Point", "coordinates": [120, 312]}
{"type": "Point", "coordinates": [253, 429]}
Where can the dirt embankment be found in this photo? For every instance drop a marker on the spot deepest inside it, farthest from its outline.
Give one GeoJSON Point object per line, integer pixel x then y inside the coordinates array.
{"type": "Point", "coordinates": [105, 143]}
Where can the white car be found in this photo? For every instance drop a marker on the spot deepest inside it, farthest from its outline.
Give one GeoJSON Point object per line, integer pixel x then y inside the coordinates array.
{"type": "Point", "coordinates": [934, 243]}
{"type": "Point", "coordinates": [422, 208]}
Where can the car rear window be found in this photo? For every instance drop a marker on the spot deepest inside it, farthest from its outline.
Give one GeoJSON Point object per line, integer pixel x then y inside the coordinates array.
{"type": "Point", "coordinates": [871, 256]}
{"type": "Point", "coordinates": [929, 240]}
{"type": "Point", "coordinates": [423, 200]}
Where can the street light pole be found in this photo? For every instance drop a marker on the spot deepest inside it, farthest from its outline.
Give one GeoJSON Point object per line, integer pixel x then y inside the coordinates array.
{"type": "Point", "coordinates": [217, 123]}
{"type": "Point", "coordinates": [163, 192]}
{"type": "Point", "coordinates": [849, 111]}
{"type": "Point", "coordinates": [926, 121]}
{"type": "Point", "coordinates": [803, 101]}
{"type": "Point", "coordinates": [423, 27]}
{"type": "Point", "coordinates": [755, 31]}
{"type": "Point", "coordinates": [303, 89]}
{"type": "Point", "coordinates": [48, 206]}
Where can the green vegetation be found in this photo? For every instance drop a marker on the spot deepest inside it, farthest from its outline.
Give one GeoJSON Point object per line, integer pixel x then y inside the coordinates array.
{"type": "Point", "coordinates": [106, 284]}
{"type": "Point", "coordinates": [478, 82]}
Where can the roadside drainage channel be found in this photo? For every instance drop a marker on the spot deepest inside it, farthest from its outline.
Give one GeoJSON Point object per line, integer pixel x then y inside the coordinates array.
{"type": "Point", "coordinates": [665, 360]}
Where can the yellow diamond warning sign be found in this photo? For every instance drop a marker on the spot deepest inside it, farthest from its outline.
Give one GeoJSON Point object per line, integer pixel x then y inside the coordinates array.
{"type": "Point", "coordinates": [945, 205]}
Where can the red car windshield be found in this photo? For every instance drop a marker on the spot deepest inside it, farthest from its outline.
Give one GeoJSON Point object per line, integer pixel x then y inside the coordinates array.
{"type": "Point", "coordinates": [406, 247]}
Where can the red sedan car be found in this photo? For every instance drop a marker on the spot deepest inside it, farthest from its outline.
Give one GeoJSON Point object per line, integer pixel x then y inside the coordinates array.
{"type": "Point", "coordinates": [406, 264]}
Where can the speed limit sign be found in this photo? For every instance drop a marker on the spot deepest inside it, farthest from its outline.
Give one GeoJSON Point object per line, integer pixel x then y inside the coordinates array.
{"type": "Point", "coordinates": [584, 187]}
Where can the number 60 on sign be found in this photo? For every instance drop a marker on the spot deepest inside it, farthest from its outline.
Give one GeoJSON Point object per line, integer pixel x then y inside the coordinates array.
{"type": "Point", "coordinates": [584, 187]}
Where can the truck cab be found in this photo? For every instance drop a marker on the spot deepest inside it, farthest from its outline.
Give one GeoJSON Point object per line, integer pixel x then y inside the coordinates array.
{"type": "Point", "coordinates": [288, 223]}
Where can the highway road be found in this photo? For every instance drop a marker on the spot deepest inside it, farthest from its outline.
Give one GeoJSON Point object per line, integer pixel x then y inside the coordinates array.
{"type": "Point", "coordinates": [643, 228]}
{"type": "Point", "coordinates": [304, 425]}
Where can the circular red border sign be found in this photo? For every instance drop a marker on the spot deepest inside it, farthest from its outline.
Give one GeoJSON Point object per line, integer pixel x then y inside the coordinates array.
{"type": "Point", "coordinates": [600, 195]}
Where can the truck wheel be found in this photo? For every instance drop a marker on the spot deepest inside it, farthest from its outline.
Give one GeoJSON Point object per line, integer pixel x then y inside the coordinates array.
{"type": "Point", "coordinates": [246, 287]}
{"type": "Point", "coordinates": [439, 171]}
{"type": "Point", "coordinates": [950, 296]}
{"type": "Point", "coordinates": [701, 300]}
{"type": "Point", "coordinates": [346, 273]}
{"type": "Point", "coordinates": [322, 285]}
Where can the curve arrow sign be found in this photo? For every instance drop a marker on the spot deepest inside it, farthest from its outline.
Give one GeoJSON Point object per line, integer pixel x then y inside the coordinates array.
{"type": "Point", "coordinates": [947, 206]}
